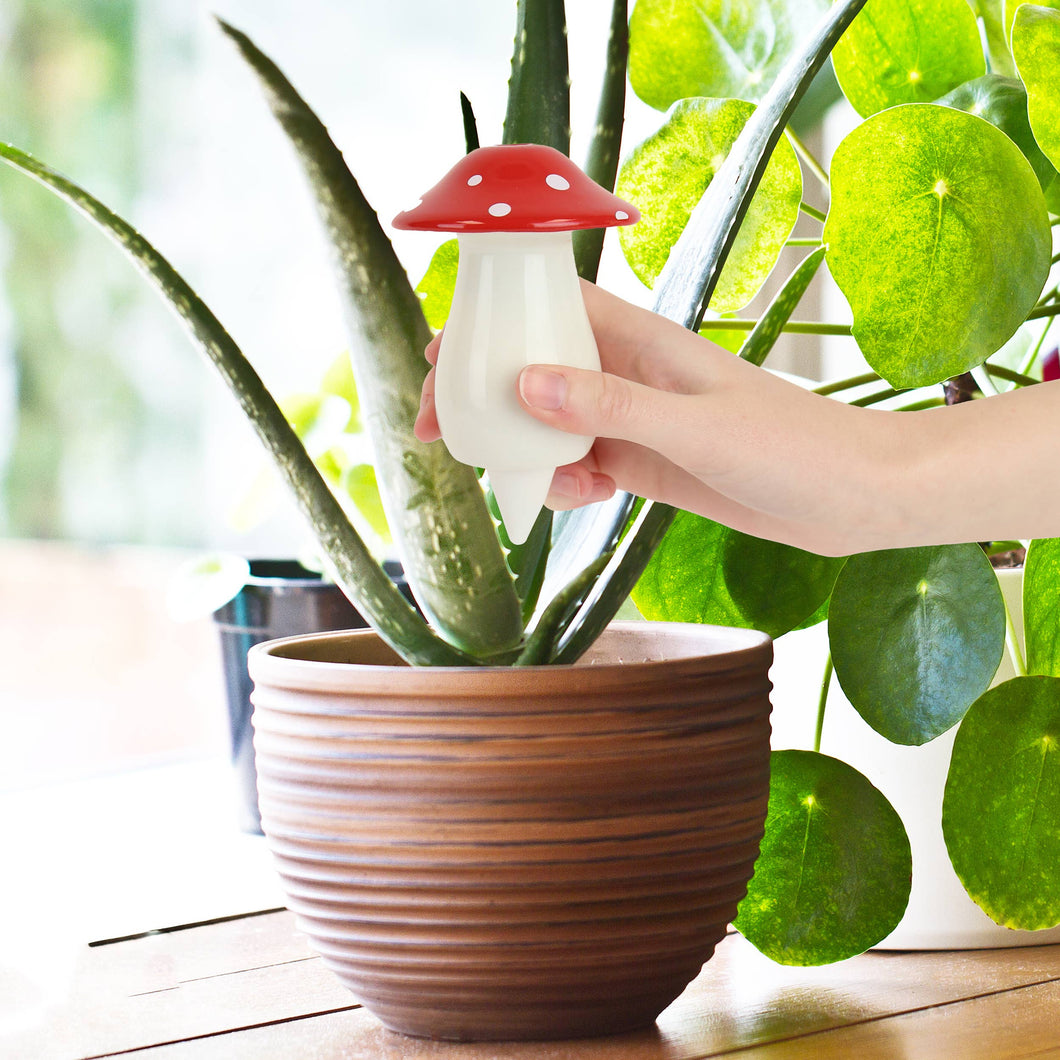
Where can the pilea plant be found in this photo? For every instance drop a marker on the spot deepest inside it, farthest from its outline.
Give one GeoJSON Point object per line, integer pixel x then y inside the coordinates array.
{"type": "Point", "coordinates": [937, 229]}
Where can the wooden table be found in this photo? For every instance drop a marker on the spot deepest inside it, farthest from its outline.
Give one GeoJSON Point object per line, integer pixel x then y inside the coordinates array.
{"type": "Point", "coordinates": [248, 987]}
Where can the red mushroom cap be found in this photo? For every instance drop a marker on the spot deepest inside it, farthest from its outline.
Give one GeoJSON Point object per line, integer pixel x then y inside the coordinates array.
{"type": "Point", "coordinates": [516, 188]}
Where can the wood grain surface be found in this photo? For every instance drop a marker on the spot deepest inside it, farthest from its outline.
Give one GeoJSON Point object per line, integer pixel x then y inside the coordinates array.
{"type": "Point", "coordinates": [249, 988]}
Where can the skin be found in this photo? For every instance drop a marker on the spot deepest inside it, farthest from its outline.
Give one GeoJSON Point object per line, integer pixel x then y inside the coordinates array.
{"type": "Point", "coordinates": [680, 420]}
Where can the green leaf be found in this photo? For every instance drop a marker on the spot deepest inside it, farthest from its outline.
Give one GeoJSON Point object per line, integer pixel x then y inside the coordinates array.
{"type": "Point", "coordinates": [916, 636]}
{"type": "Point", "coordinates": [201, 585]}
{"type": "Point", "coordinates": [1041, 607]}
{"type": "Point", "coordinates": [776, 587]}
{"type": "Point", "coordinates": [683, 48]}
{"type": "Point", "coordinates": [833, 875]}
{"type": "Point", "coordinates": [435, 507]}
{"type": "Point", "coordinates": [606, 144]}
{"type": "Point", "coordinates": [945, 257]}
{"type": "Point", "coordinates": [991, 16]}
{"type": "Point", "coordinates": [539, 89]}
{"type": "Point", "coordinates": [907, 51]}
{"type": "Point", "coordinates": [1002, 101]}
{"type": "Point", "coordinates": [999, 811]}
{"type": "Point", "coordinates": [686, 285]}
{"type": "Point", "coordinates": [338, 380]}
{"type": "Point", "coordinates": [1036, 48]}
{"type": "Point", "coordinates": [666, 175]}
{"type": "Point", "coordinates": [362, 487]}
{"type": "Point", "coordinates": [438, 283]}
{"type": "Point", "coordinates": [770, 324]}
{"type": "Point", "coordinates": [361, 578]}
{"type": "Point", "coordinates": [705, 572]}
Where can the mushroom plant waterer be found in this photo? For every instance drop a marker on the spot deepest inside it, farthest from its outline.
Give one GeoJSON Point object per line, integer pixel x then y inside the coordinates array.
{"type": "Point", "coordinates": [517, 302]}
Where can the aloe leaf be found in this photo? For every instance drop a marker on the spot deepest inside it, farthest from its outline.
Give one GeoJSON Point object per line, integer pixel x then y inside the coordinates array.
{"type": "Point", "coordinates": [616, 581]}
{"type": "Point", "coordinates": [539, 89]}
{"type": "Point", "coordinates": [361, 578]}
{"type": "Point", "coordinates": [771, 323]}
{"type": "Point", "coordinates": [606, 144]}
{"type": "Point", "coordinates": [435, 506]}
{"type": "Point", "coordinates": [687, 282]}
{"type": "Point", "coordinates": [471, 141]}
{"type": "Point", "coordinates": [944, 260]}
{"type": "Point", "coordinates": [907, 51]}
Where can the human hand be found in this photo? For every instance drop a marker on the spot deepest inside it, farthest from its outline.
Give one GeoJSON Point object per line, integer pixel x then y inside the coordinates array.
{"type": "Point", "coordinates": [680, 420]}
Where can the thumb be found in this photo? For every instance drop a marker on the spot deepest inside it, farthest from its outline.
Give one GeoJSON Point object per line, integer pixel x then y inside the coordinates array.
{"type": "Point", "coordinates": [601, 405]}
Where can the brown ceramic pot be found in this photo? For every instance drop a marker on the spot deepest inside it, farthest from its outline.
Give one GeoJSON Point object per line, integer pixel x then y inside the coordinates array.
{"type": "Point", "coordinates": [545, 852]}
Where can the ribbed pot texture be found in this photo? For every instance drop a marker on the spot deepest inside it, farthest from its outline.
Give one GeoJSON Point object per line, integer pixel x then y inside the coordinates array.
{"type": "Point", "coordinates": [516, 853]}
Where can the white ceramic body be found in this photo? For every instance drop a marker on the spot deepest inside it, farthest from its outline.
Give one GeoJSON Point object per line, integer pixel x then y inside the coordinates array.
{"type": "Point", "coordinates": [940, 915]}
{"type": "Point", "coordinates": [517, 302]}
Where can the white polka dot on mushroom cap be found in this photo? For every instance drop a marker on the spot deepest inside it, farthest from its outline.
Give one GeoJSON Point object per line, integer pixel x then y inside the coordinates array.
{"type": "Point", "coordinates": [621, 215]}
{"type": "Point", "coordinates": [554, 180]}
{"type": "Point", "coordinates": [500, 209]}
{"type": "Point", "coordinates": [474, 181]}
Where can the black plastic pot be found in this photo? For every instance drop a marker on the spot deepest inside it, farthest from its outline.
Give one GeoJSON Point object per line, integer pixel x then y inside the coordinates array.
{"type": "Point", "coordinates": [281, 598]}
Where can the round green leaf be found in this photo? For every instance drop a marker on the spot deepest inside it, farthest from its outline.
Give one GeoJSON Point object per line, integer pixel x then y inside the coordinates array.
{"type": "Point", "coordinates": [1036, 49]}
{"type": "Point", "coordinates": [666, 175]}
{"type": "Point", "coordinates": [999, 812]}
{"type": "Point", "coordinates": [683, 48]}
{"type": "Point", "coordinates": [907, 51]}
{"type": "Point", "coordinates": [705, 572]}
{"type": "Point", "coordinates": [338, 380]}
{"type": "Point", "coordinates": [916, 636]}
{"type": "Point", "coordinates": [1041, 606]}
{"type": "Point", "coordinates": [1002, 101]}
{"type": "Point", "coordinates": [938, 236]}
{"type": "Point", "coordinates": [684, 581]}
{"type": "Point", "coordinates": [201, 585]}
{"type": "Point", "coordinates": [833, 875]}
{"type": "Point", "coordinates": [776, 587]}
{"type": "Point", "coordinates": [438, 283]}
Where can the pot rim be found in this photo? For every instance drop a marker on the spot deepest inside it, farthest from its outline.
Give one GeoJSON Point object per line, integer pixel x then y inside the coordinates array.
{"type": "Point", "coordinates": [720, 649]}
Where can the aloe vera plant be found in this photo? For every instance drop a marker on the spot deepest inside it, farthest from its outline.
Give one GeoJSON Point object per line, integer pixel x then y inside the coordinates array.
{"type": "Point", "coordinates": [937, 227]}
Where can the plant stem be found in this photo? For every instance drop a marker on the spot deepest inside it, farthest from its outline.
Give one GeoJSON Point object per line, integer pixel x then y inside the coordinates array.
{"type": "Point", "coordinates": [799, 327]}
{"type": "Point", "coordinates": [822, 702]}
{"type": "Point", "coordinates": [1028, 362]}
{"type": "Point", "coordinates": [1019, 664]}
{"type": "Point", "coordinates": [847, 384]}
{"type": "Point", "coordinates": [800, 242]}
{"type": "Point", "coordinates": [812, 211]}
{"type": "Point", "coordinates": [1010, 375]}
{"type": "Point", "coordinates": [874, 399]}
{"type": "Point", "coordinates": [1040, 311]}
{"type": "Point", "coordinates": [806, 155]}
{"type": "Point", "coordinates": [919, 406]}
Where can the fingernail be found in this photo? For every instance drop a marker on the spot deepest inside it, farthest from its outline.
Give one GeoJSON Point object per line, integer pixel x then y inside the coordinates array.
{"type": "Point", "coordinates": [564, 484]}
{"type": "Point", "coordinates": [542, 389]}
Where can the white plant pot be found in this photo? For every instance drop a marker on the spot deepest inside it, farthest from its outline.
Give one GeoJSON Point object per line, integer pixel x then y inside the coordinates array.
{"type": "Point", "coordinates": [940, 915]}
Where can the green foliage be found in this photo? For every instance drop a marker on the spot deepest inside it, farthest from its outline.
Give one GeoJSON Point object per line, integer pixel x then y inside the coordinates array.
{"type": "Point", "coordinates": [685, 48]}
{"type": "Point", "coordinates": [945, 258]}
{"type": "Point", "coordinates": [916, 636]}
{"type": "Point", "coordinates": [705, 572]}
{"type": "Point", "coordinates": [438, 283]}
{"type": "Point", "coordinates": [666, 176]}
{"type": "Point", "coordinates": [907, 51]}
{"type": "Point", "coordinates": [1036, 49]}
{"type": "Point", "coordinates": [834, 871]}
{"type": "Point", "coordinates": [1041, 607]}
{"type": "Point", "coordinates": [999, 812]}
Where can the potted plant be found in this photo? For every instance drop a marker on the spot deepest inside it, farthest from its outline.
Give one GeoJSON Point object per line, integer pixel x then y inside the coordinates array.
{"type": "Point", "coordinates": [341, 817]}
